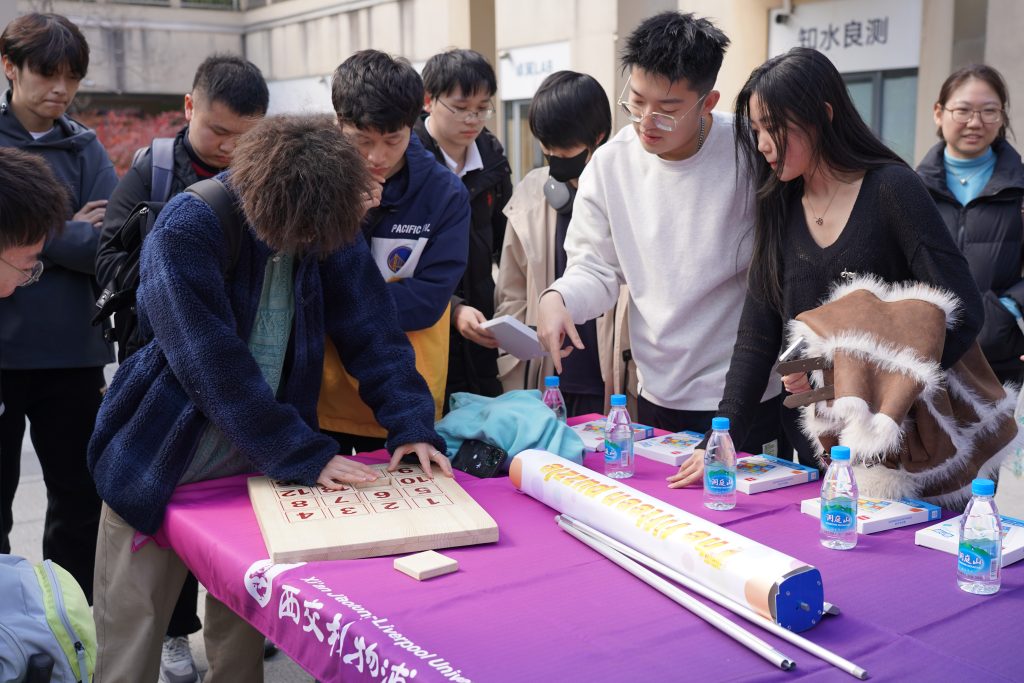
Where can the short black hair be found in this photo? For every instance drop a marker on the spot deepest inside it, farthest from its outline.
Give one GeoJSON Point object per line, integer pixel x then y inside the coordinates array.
{"type": "Point", "coordinates": [372, 90]}
{"type": "Point", "coordinates": [570, 109]}
{"type": "Point", "coordinates": [466, 69]}
{"type": "Point", "coordinates": [235, 82]}
{"type": "Point", "coordinates": [678, 47]}
{"type": "Point", "coordinates": [46, 43]}
{"type": "Point", "coordinates": [24, 220]}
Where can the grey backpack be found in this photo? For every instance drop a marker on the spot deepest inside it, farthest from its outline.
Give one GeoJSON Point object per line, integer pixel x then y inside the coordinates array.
{"type": "Point", "coordinates": [46, 628]}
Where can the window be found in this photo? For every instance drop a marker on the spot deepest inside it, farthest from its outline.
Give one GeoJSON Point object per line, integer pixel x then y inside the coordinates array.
{"type": "Point", "coordinates": [522, 148]}
{"type": "Point", "coordinates": [887, 100]}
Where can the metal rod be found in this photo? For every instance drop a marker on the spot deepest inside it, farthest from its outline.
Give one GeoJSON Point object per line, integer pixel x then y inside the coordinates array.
{"type": "Point", "coordinates": [731, 605]}
{"type": "Point", "coordinates": [673, 592]}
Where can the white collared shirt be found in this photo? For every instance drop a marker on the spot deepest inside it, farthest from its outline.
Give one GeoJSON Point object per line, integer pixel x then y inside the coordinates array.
{"type": "Point", "coordinates": [474, 162]}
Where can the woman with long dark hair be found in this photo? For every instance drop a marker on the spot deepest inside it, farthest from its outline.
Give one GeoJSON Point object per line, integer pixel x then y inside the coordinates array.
{"type": "Point", "coordinates": [833, 203]}
{"type": "Point", "coordinates": [976, 179]}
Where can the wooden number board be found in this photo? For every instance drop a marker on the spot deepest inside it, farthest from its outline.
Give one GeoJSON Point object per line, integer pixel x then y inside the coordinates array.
{"type": "Point", "coordinates": [402, 511]}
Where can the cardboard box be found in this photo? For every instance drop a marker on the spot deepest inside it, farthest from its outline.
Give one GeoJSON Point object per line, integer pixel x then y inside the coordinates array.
{"type": "Point", "coordinates": [671, 449]}
{"type": "Point", "coordinates": [876, 514]}
{"type": "Point", "coordinates": [945, 536]}
{"type": "Point", "coordinates": [592, 433]}
{"type": "Point", "coordinates": [757, 473]}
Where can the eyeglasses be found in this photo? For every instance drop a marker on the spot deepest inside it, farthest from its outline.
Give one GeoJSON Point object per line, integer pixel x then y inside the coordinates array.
{"type": "Point", "coordinates": [31, 276]}
{"type": "Point", "coordinates": [661, 121]}
{"type": "Point", "coordinates": [465, 116]}
{"type": "Point", "coordinates": [964, 115]}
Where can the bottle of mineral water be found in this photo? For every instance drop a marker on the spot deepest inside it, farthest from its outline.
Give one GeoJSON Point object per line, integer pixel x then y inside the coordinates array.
{"type": "Point", "coordinates": [979, 560]}
{"type": "Point", "coordinates": [618, 440]}
{"type": "Point", "coordinates": [839, 502]}
{"type": "Point", "coordinates": [553, 397]}
{"type": "Point", "coordinates": [720, 467]}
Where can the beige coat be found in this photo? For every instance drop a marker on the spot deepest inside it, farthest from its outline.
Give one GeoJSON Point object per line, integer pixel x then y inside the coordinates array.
{"type": "Point", "coordinates": [527, 269]}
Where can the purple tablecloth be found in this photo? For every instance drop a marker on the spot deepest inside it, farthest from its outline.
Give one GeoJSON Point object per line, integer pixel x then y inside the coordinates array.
{"type": "Point", "coordinates": [540, 606]}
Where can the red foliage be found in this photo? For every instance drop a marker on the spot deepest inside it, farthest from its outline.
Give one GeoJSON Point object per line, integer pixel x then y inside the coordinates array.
{"type": "Point", "coordinates": [123, 132]}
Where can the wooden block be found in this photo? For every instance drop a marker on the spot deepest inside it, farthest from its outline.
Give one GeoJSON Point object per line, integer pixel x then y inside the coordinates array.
{"type": "Point", "coordinates": [426, 565]}
{"type": "Point", "coordinates": [401, 512]}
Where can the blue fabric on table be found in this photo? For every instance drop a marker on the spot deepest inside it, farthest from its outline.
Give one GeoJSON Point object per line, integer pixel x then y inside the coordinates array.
{"type": "Point", "coordinates": [514, 422]}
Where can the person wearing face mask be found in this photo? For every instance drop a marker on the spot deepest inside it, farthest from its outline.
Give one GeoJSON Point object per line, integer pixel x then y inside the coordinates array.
{"type": "Point", "coordinates": [976, 179]}
{"type": "Point", "coordinates": [571, 118]}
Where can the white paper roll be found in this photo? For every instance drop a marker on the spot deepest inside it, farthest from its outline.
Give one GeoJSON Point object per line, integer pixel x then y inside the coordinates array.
{"type": "Point", "coordinates": [778, 586]}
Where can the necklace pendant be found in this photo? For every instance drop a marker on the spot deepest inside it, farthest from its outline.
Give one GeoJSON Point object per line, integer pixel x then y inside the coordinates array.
{"type": "Point", "coordinates": [820, 221]}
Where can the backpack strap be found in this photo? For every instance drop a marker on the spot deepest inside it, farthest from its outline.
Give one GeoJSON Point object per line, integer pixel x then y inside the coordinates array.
{"type": "Point", "coordinates": [163, 169]}
{"type": "Point", "coordinates": [216, 194]}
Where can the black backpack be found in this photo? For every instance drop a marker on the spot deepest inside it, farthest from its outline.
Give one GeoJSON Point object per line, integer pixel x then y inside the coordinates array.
{"type": "Point", "coordinates": [118, 297]}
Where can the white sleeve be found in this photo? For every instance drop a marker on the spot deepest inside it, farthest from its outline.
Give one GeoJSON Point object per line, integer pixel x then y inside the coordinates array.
{"type": "Point", "coordinates": [590, 284]}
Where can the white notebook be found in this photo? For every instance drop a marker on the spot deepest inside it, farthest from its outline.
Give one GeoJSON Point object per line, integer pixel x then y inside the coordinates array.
{"type": "Point", "coordinates": [514, 337]}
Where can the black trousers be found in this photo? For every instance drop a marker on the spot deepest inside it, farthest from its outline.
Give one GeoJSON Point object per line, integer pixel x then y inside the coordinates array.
{"type": "Point", "coordinates": [583, 404]}
{"type": "Point", "coordinates": [354, 443]}
{"type": "Point", "coordinates": [61, 407]}
{"type": "Point", "coordinates": [766, 423]}
{"type": "Point", "coordinates": [184, 618]}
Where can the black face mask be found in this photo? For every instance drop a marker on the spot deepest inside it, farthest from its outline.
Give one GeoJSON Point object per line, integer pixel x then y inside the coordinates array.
{"type": "Point", "coordinates": [565, 169]}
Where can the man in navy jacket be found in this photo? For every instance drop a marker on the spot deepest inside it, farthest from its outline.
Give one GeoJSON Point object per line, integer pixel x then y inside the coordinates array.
{"type": "Point", "coordinates": [53, 358]}
{"type": "Point", "coordinates": [419, 235]}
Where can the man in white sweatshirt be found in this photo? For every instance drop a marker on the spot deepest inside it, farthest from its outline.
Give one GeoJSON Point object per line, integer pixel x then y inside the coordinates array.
{"type": "Point", "coordinates": [663, 208]}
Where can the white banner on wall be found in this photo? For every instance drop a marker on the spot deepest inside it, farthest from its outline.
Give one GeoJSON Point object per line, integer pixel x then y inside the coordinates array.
{"type": "Point", "coordinates": [522, 69]}
{"type": "Point", "coordinates": [857, 35]}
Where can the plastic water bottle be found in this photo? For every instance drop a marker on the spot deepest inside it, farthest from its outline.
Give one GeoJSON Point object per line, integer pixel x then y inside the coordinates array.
{"type": "Point", "coordinates": [720, 467]}
{"type": "Point", "coordinates": [979, 560]}
{"type": "Point", "coordinates": [618, 440]}
{"type": "Point", "coordinates": [839, 502]}
{"type": "Point", "coordinates": [553, 397]}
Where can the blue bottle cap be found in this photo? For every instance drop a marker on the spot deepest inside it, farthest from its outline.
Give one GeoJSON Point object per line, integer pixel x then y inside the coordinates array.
{"type": "Point", "coordinates": [983, 487]}
{"type": "Point", "coordinates": [618, 400]}
{"type": "Point", "coordinates": [551, 381]}
{"type": "Point", "coordinates": [720, 423]}
{"type": "Point", "coordinates": [840, 453]}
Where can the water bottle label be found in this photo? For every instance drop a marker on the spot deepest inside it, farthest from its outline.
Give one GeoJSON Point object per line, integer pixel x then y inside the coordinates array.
{"type": "Point", "coordinates": [612, 451]}
{"type": "Point", "coordinates": [975, 557]}
{"type": "Point", "coordinates": [838, 515]}
{"type": "Point", "coordinates": [719, 480]}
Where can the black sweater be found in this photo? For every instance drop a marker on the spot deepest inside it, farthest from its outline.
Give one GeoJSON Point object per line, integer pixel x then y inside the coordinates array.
{"type": "Point", "coordinates": [895, 233]}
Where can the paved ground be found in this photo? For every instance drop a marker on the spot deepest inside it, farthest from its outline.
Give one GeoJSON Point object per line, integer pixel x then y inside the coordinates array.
{"type": "Point", "coordinates": [27, 539]}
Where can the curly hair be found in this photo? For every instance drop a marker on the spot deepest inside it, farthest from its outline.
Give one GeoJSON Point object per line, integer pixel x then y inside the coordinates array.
{"type": "Point", "coordinates": [25, 179]}
{"type": "Point", "coordinates": [301, 183]}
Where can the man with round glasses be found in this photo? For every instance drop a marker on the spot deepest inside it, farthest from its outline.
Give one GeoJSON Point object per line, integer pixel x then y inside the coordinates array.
{"type": "Point", "coordinates": [25, 224]}
{"type": "Point", "coordinates": [459, 90]}
{"type": "Point", "coordinates": [663, 208]}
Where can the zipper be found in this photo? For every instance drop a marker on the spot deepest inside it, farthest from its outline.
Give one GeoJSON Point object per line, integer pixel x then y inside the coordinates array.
{"type": "Point", "coordinates": [58, 594]}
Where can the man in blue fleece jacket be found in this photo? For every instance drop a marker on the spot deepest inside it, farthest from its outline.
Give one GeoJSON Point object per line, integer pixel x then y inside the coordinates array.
{"type": "Point", "coordinates": [229, 382]}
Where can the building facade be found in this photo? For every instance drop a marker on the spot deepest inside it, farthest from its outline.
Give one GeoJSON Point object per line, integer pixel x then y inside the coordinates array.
{"type": "Point", "coordinates": [893, 53]}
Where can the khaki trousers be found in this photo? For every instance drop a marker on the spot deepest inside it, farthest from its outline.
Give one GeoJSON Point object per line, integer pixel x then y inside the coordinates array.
{"type": "Point", "coordinates": [134, 596]}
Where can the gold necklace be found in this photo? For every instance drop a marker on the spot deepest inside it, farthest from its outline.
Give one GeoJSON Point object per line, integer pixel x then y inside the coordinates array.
{"type": "Point", "coordinates": [820, 220]}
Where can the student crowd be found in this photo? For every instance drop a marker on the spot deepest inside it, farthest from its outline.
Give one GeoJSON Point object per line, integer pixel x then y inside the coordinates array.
{"type": "Point", "coordinates": [350, 307]}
